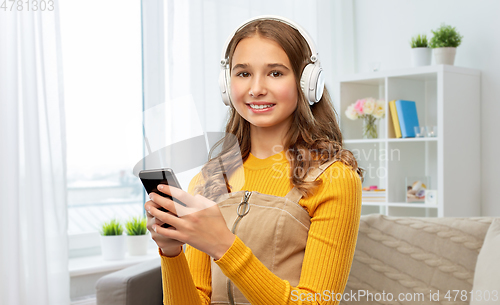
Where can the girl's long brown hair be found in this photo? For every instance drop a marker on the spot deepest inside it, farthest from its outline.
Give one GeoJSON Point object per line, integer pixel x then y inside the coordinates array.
{"type": "Point", "coordinates": [314, 136]}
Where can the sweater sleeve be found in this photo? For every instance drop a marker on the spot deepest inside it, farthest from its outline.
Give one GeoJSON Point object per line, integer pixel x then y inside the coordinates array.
{"type": "Point", "coordinates": [186, 278]}
{"type": "Point", "coordinates": [335, 212]}
{"type": "Point", "coordinates": [178, 284]}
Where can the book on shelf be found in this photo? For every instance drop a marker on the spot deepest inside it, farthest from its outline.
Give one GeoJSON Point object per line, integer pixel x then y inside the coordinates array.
{"type": "Point", "coordinates": [395, 120]}
{"type": "Point", "coordinates": [373, 200]}
{"type": "Point", "coordinates": [408, 118]}
{"type": "Point", "coordinates": [373, 196]}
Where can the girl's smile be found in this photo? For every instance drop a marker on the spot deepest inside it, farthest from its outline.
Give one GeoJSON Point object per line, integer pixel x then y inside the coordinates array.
{"type": "Point", "coordinates": [263, 86]}
{"type": "Point", "coordinates": [259, 107]}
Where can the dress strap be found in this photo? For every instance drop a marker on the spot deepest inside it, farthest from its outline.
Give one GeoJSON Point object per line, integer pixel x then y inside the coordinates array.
{"type": "Point", "coordinates": [294, 195]}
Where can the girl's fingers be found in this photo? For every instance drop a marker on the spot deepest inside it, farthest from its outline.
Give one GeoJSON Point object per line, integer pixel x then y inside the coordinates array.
{"type": "Point", "coordinates": [163, 202]}
{"type": "Point", "coordinates": [164, 217]}
{"type": "Point", "coordinates": [169, 232]}
{"type": "Point", "coordinates": [192, 203]}
{"type": "Point", "coordinates": [152, 203]}
{"type": "Point", "coordinates": [148, 205]}
{"type": "Point", "coordinates": [186, 206]}
{"type": "Point", "coordinates": [152, 221]}
{"type": "Point", "coordinates": [157, 221]}
{"type": "Point", "coordinates": [178, 194]}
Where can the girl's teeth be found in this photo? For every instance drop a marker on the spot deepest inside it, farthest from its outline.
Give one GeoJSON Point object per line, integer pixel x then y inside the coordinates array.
{"type": "Point", "coordinates": [260, 106]}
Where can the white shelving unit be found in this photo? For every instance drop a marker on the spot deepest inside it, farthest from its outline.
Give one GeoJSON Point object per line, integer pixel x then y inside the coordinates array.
{"type": "Point", "coordinates": [447, 97]}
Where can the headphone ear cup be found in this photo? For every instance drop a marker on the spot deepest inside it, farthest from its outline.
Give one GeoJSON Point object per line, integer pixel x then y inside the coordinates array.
{"type": "Point", "coordinates": [312, 83]}
{"type": "Point", "coordinates": [224, 86]}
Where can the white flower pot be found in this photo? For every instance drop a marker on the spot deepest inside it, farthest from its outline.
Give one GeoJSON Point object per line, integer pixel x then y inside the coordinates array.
{"type": "Point", "coordinates": [137, 244]}
{"type": "Point", "coordinates": [421, 57]}
{"type": "Point", "coordinates": [444, 56]}
{"type": "Point", "coordinates": [113, 247]}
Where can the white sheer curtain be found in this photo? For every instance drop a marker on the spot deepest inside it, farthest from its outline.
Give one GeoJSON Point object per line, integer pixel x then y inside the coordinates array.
{"type": "Point", "coordinates": [33, 217]}
{"type": "Point", "coordinates": [183, 41]}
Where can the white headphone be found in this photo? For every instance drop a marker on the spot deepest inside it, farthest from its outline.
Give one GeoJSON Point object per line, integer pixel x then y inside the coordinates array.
{"type": "Point", "coordinates": [312, 81]}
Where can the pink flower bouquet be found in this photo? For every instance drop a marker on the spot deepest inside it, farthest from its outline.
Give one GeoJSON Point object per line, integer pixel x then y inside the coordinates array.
{"type": "Point", "coordinates": [370, 110]}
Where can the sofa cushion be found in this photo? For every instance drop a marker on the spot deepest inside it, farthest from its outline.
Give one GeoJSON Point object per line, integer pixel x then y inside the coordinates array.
{"type": "Point", "coordinates": [411, 258]}
{"type": "Point", "coordinates": [136, 285]}
{"type": "Point", "coordinates": [486, 289]}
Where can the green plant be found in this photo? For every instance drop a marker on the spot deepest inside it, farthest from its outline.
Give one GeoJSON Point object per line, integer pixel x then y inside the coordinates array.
{"type": "Point", "coordinates": [136, 226]}
{"type": "Point", "coordinates": [113, 227]}
{"type": "Point", "coordinates": [419, 41]}
{"type": "Point", "coordinates": [445, 36]}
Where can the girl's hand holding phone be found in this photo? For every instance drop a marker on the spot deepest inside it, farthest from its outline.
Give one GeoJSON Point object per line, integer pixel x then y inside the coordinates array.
{"type": "Point", "coordinates": [201, 224]}
{"type": "Point", "coordinates": [169, 247]}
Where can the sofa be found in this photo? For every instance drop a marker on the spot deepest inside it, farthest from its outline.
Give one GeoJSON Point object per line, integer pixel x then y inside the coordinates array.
{"type": "Point", "coordinates": [398, 260]}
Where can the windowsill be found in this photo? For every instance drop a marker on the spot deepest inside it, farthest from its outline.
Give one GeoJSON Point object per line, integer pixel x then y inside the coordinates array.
{"type": "Point", "coordinates": [96, 264]}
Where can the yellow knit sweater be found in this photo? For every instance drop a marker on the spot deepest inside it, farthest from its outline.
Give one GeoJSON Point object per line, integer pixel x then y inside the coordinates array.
{"type": "Point", "coordinates": [335, 210]}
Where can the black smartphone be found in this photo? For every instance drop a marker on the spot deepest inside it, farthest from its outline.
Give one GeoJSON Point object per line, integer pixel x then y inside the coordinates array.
{"type": "Point", "coordinates": [151, 178]}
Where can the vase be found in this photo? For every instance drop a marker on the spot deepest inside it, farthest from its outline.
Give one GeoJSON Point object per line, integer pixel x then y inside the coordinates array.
{"type": "Point", "coordinates": [370, 127]}
{"type": "Point", "coordinates": [113, 247]}
{"type": "Point", "coordinates": [137, 244]}
{"type": "Point", "coordinates": [421, 57]}
{"type": "Point", "coordinates": [445, 56]}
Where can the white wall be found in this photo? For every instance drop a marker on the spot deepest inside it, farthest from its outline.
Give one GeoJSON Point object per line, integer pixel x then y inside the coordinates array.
{"type": "Point", "coordinates": [383, 29]}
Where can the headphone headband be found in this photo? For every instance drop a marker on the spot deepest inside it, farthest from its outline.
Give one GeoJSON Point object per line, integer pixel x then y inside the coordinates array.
{"type": "Point", "coordinates": [314, 55]}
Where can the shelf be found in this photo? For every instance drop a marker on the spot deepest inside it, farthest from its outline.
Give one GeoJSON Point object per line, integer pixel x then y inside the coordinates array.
{"type": "Point", "coordinates": [425, 73]}
{"type": "Point", "coordinates": [400, 140]}
{"type": "Point", "coordinates": [399, 204]}
{"type": "Point", "coordinates": [373, 203]}
{"type": "Point", "coordinates": [434, 139]}
{"type": "Point", "coordinates": [411, 205]}
{"type": "Point", "coordinates": [445, 96]}
{"type": "Point", "coordinates": [361, 141]}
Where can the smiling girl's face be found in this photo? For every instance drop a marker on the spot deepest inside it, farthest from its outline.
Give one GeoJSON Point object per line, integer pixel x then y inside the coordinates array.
{"type": "Point", "coordinates": [263, 87]}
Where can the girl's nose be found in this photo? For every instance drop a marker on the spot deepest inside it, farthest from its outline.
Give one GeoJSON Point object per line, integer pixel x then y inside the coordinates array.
{"type": "Point", "coordinates": [258, 87]}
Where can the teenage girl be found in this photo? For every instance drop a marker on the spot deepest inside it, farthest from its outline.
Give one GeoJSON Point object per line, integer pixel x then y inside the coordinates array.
{"type": "Point", "coordinates": [288, 236]}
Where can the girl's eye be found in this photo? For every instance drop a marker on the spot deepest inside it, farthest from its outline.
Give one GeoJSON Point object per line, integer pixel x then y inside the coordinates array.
{"type": "Point", "coordinates": [276, 74]}
{"type": "Point", "coordinates": [243, 74]}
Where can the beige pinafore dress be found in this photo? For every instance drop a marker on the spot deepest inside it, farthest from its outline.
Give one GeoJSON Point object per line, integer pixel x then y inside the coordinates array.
{"type": "Point", "coordinates": [274, 228]}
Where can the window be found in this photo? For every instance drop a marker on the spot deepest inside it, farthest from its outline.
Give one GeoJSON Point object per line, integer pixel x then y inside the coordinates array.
{"type": "Point", "coordinates": [102, 67]}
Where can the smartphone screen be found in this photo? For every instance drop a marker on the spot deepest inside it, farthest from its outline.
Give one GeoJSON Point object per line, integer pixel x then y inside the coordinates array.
{"type": "Point", "coordinates": [151, 178]}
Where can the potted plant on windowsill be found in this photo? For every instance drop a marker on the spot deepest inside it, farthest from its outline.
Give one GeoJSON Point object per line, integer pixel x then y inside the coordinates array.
{"type": "Point", "coordinates": [112, 240]}
{"type": "Point", "coordinates": [137, 237]}
{"type": "Point", "coordinates": [420, 51]}
{"type": "Point", "coordinates": [444, 44]}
